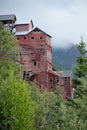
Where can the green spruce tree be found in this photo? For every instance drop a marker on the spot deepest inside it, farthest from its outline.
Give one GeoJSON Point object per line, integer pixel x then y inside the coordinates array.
{"type": "Point", "coordinates": [16, 104]}
{"type": "Point", "coordinates": [81, 67]}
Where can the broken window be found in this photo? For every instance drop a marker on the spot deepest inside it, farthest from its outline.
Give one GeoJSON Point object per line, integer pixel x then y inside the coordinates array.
{"type": "Point", "coordinates": [28, 75]}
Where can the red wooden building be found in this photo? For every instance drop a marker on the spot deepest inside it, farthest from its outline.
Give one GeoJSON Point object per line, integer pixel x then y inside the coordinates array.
{"type": "Point", "coordinates": [66, 89]}
{"type": "Point", "coordinates": [36, 55]}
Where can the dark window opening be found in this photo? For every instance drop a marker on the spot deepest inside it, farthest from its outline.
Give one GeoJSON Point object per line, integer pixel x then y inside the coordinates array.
{"type": "Point", "coordinates": [37, 49]}
{"type": "Point", "coordinates": [31, 53]}
{"type": "Point", "coordinates": [51, 87]}
{"type": "Point", "coordinates": [43, 53]}
{"type": "Point", "coordinates": [28, 75]}
{"type": "Point", "coordinates": [24, 73]}
{"type": "Point", "coordinates": [41, 37]}
{"type": "Point", "coordinates": [51, 79]}
{"type": "Point", "coordinates": [57, 79]}
{"type": "Point", "coordinates": [18, 38]}
{"type": "Point", "coordinates": [66, 79]}
{"type": "Point", "coordinates": [35, 63]}
{"type": "Point", "coordinates": [24, 37]}
{"type": "Point", "coordinates": [32, 37]}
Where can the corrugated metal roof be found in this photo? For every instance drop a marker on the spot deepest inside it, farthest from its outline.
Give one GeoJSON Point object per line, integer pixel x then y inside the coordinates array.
{"type": "Point", "coordinates": [54, 72]}
{"type": "Point", "coordinates": [8, 17]}
{"type": "Point", "coordinates": [22, 33]}
{"type": "Point", "coordinates": [31, 30]}
{"type": "Point", "coordinates": [67, 73]}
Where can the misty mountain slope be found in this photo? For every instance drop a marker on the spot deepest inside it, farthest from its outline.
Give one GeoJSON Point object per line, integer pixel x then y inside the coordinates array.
{"type": "Point", "coordinates": [65, 59]}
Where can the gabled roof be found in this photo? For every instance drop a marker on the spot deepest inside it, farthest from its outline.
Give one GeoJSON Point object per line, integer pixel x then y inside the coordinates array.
{"type": "Point", "coordinates": [7, 18]}
{"type": "Point", "coordinates": [35, 29]}
{"type": "Point", "coordinates": [54, 73]}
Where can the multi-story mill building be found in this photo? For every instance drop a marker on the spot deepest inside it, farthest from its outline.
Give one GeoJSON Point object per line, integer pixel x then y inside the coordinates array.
{"type": "Point", "coordinates": [36, 56]}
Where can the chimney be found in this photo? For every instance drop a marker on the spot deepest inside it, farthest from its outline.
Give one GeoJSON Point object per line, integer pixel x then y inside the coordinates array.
{"type": "Point", "coordinates": [31, 25]}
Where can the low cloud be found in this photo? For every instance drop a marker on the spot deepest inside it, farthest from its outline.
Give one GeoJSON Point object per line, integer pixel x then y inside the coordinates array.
{"type": "Point", "coordinates": [64, 20]}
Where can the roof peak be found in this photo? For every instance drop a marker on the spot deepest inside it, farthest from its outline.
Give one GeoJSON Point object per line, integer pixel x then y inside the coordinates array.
{"type": "Point", "coordinates": [35, 29]}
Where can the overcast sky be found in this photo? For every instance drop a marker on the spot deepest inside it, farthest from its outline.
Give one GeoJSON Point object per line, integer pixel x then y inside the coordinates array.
{"type": "Point", "coordinates": [64, 20]}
